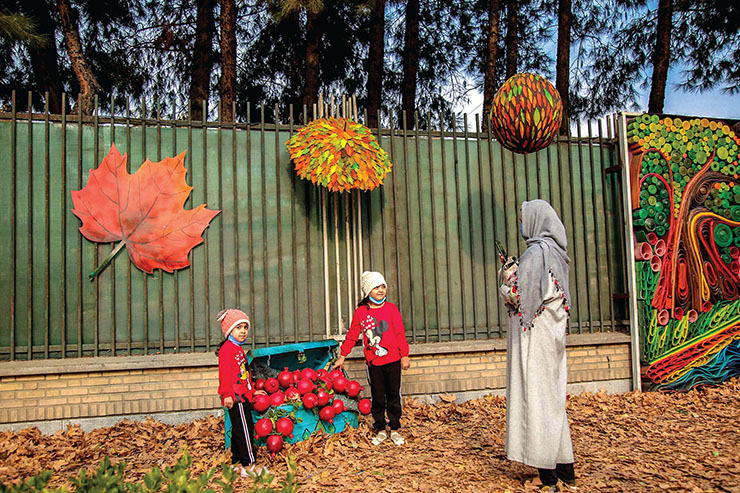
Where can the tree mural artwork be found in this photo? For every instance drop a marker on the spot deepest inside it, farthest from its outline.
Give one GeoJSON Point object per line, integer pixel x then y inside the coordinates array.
{"type": "Point", "coordinates": [686, 216]}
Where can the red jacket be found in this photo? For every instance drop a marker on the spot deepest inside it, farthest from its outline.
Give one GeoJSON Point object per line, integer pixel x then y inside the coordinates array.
{"type": "Point", "coordinates": [383, 334]}
{"type": "Point", "coordinates": [234, 379]}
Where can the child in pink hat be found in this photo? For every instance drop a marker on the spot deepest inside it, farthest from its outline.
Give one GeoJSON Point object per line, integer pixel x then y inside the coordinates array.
{"type": "Point", "coordinates": [236, 389]}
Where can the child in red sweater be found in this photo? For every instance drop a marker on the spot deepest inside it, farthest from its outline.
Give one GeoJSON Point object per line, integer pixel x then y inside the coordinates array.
{"type": "Point", "coordinates": [386, 353]}
{"type": "Point", "coordinates": [236, 389]}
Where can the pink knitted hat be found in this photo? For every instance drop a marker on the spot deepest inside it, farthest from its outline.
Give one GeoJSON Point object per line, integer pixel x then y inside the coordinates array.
{"type": "Point", "coordinates": [231, 318]}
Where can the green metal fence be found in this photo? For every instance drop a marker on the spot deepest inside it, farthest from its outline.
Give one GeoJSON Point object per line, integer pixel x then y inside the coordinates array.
{"type": "Point", "coordinates": [281, 251]}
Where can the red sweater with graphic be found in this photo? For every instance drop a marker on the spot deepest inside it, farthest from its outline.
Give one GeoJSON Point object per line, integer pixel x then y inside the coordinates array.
{"type": "Point", "coordinates": [383, 334]}
{"type": "Point", "coordinates": [234, 379]}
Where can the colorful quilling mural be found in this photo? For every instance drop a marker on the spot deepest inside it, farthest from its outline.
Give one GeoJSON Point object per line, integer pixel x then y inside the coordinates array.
{"type": "Point", "coordinates": [338, 154]}
{"type": "Point", "coordinates": [686, 217]}
{"type": "Point", "coordinates": [526, 113]}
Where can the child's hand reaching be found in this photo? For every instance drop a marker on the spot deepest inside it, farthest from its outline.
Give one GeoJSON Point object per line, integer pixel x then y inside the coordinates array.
{"type": "Point", "coordinates": [228, 402]}
{"type": "Point", "coordinates": [338, 363]}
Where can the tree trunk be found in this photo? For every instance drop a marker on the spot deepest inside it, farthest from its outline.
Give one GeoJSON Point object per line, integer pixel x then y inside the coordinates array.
{"type": "Point", "coordinates": [293, 93]}
{"type": "Point", "coordinates": [562, 64]}
{"type": "Point", "coordinates": [313, 41]}
{"type": "Point", "coordinates": [44, 59]}
{"type": "Point", "coordinates": [512, 37]}
{"type": "Point", "coordinates": [661, 56]}
{"type": "Point", "coordinates": [228, 59]}
{"type": "Point", "coordinates": [89, 85]}
{"type": "Point", "coordinates": [410, 61]}
{"type": "Point", "coordinates": [490, 82]}
{"type": "Point", "coordinates": [200, 75]}
{"type": "Point", "coordinates": [375, 63]}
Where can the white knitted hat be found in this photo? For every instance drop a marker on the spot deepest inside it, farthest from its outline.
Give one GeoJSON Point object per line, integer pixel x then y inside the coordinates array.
{"type": "Point", "coordinates": [369, 281]}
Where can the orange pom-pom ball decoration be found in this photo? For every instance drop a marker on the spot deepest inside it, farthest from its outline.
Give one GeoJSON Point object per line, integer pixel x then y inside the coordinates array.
{"type": "Point", "coordinates": [338, 154]}
{"type": "Point", "coordinates": [526, 113]}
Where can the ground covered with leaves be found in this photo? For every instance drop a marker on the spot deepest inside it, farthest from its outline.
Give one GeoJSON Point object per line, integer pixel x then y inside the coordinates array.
{"type": "Point", "coordinates": [628, 442]}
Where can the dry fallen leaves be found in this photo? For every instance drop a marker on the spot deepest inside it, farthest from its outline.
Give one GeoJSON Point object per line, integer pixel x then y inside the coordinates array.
{"type": "Point", "coordinates": [629, 442]}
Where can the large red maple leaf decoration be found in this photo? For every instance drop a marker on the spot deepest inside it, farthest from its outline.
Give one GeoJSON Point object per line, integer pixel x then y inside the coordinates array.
{"type": "Point", "coordinates": [143, 211]}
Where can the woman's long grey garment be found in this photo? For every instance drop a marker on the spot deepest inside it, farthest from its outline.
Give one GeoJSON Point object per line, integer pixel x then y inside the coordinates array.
{"type": "Point", "coordinates": [537, 430]}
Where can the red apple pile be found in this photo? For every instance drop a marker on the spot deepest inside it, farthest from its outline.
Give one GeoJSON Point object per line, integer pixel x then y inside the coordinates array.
{"type": "Point", "coordinates": [315, 390]}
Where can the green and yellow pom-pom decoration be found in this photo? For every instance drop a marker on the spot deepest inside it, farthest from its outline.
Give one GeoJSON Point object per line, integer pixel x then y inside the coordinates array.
{"type": "Point", "coordinates": [526, 113]}
{"type": "Point", "coordinates": [338, 154]}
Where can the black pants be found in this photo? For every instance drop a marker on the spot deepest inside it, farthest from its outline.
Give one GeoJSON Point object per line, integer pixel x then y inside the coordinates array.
{"type": "Point", "coordinates": [242, 431]}
{"type": "Point", "coordinates": [385, 387]}
{"type": "Point", "coordinates": [563, 472]}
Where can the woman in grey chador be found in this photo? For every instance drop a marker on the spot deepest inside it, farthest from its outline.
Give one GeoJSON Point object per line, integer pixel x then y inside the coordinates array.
{"type": "Point", "coordinates": [537, 296]}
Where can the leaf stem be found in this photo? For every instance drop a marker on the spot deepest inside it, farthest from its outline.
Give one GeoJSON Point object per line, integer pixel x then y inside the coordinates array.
{"type": "Point", "coordinates": [106, 261]}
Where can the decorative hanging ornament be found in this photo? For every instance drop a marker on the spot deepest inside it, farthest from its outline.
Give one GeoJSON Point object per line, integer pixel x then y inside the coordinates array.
{"type": "Point", "coordinates": [526, 113]}
{"type": "Point", "coordinates": [143, 212]}
{"type": "Point", "coordinates": [338, 154]}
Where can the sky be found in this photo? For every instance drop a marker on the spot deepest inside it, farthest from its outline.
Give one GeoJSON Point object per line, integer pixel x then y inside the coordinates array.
{"type": "Point", "coordinates": [712, 104]}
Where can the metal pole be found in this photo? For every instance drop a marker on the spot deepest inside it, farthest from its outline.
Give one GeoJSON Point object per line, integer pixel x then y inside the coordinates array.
{"type": "Point", "coordinates": [630, 254]}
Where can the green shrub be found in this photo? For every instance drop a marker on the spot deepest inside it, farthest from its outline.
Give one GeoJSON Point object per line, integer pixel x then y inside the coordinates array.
{"type": "Point", "coordinates": [108, 478]}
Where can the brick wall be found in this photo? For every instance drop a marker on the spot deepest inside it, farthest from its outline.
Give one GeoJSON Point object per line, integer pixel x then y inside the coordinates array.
{"type": "Point", "coordinates": [100, 391]}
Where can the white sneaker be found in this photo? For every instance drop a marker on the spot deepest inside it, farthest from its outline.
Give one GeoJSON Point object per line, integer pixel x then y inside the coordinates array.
{"type": "Point", "coordinates": [254, 468]}
{"type": "Point", "coordinates": [397, 438]}
{"type": "Point", "coordinates": [379, 438]}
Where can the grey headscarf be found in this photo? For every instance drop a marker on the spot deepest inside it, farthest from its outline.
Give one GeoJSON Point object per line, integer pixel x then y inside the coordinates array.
{"type": "Point", "coordinates": [546, 243]}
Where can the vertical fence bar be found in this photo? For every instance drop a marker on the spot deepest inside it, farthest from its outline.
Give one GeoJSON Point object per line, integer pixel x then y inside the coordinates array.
{"type": "Point", "coordinates": [484, 231]}
{"type": "Point", "coordinates": [408, 224]}
{"type": "Point", "coordinates": [63, 253]}
{"type": "Point", "coordinates": [447, 224]}
{"type": "Point", "coordinates": [294, 241]}
{"type": "Point", "coordinates": [459, 227]}
{"type": "Point", "coordinates": [249, 223]}
{"type": "Point", "coordinates": [176, 273]}
{"type": "Point", "coordinates": [309, 191]}
{"type": "Point", "coordinates": [609, 257]}
{"type": "Point", "coordinates": [161, 273]}
{"type": "Point", "coordinates": [235, 207]}
{"type": "Point", "coordinates": [204, 123]}
{"type": "Point", "coordinates": [279, 227]}
{"type": "Point", "coordinates": [264, 227]}
{"type": "Point", "coordinates": [421, 227]}
{"type": "Point", "coordinates": [596, 227]}
{"type": "Point", "coordinates": [539, 187]}
{"type": "Point", "coordinates": [469, 176]}
{"type": "Point", "coordinates": [493, 216]}
{"type": "Point", "coordinates": [585, 228]}
{"type": "Point", "coordinates": [79, 237]}
{"type": "Point", "coordinates": [129, 322]}
{"type": "Point", "coordinates": [574, 253]}
{"type": "Point", "coordinates": [219, 172]}
{"type": "Point", "coordinates": [142, 115]}
{"type": "Point", "coordinates": [618, 205]}
{"type": "Point", "coordinates": [29, 332]}
{"type": "Point", "coordinates": [189, 202]}
{"type": "Point", "coordinates": [112, 267]}
{"type": "Point", "coordinates": [430, 157]}
{"type": "Point", "coordinates": [379, 136]}
{"type": "Point", "coordinates": [13, 246]}
{"type": "Point", "coordinates": [47, 233]}
{"type": "Point", "coordinates": [96, 246]}
{"type": "Point", "coordinates": [395, 220]}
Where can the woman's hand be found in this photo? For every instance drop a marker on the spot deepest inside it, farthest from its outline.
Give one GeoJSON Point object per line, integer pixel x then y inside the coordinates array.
{"type": "Point", "coordinates": [405, 362]}
{"type": "Point", "coordinates": [260, 392]}
{"type": "Point", "coordinates": [228, 402]}
{"type": "Point", "coordinates": [338, 363]}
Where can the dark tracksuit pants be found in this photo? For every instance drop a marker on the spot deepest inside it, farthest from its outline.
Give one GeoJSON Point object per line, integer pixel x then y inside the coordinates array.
{"type": "Point", "coordinates": [242, 431]}
{"type": "Point", "coordinates": [564, 472]}
{"type": "Point", "coordinates": [385, 388]}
